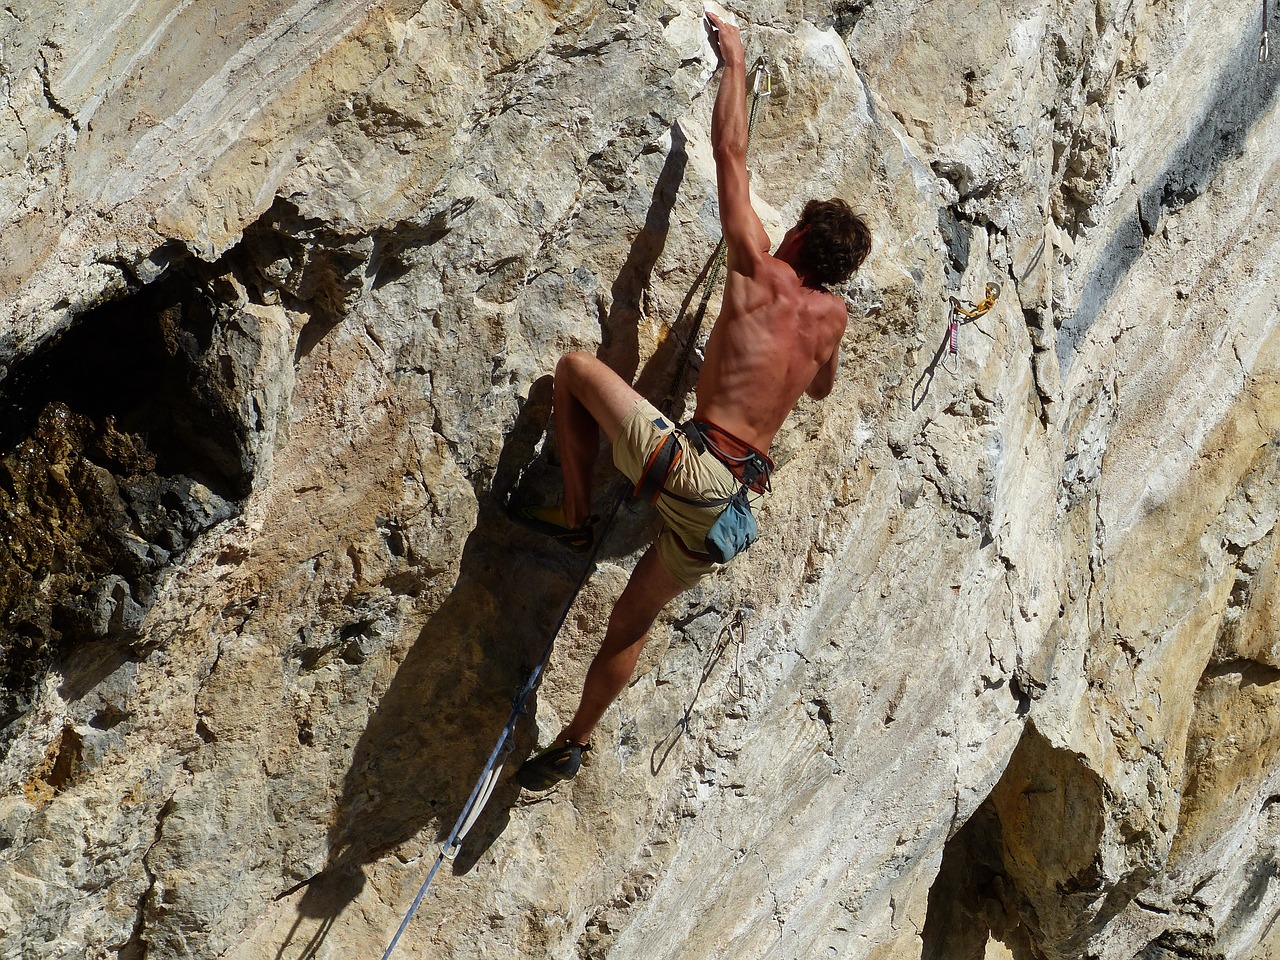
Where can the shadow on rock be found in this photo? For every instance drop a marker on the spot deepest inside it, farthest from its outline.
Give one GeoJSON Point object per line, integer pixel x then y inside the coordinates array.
{"type": "Point", "coordinates": [620, 346]}
{"type": "Point", "coordinates": [525, 456]}
{"type": "Point", "coordinates": [433, 731]}
{"type": "Point", "coordinates": [326, 897]}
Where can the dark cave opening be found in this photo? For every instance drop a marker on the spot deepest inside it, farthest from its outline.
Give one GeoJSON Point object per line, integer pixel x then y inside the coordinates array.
{"type": "Point", "coordinates": [136, 363]}
{"type": "Point", "coordinates": [121, 444]}
{"type": "Point", "coordinates": [972, 902]}
{"type": "Point", "coordinates": [140, 426]}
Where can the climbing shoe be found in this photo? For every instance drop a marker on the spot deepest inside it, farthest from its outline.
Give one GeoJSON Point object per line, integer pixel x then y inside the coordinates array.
{"type": "Point", "coordinates": [544, 770]}
{"type": "Point", "coordinates": [550, 521]}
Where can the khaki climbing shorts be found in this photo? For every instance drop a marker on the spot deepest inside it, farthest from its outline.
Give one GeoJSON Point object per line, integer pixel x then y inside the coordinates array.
{"type": "Point", "coordinates": [696, 476]}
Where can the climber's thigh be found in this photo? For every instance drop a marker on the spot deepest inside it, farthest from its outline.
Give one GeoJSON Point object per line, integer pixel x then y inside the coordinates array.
{"type": "Point", "coordinates": [607, 397]}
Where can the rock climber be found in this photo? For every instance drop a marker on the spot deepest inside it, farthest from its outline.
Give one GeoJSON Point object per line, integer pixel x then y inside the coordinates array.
{"type": "Point", "coordinates": [777, 336]}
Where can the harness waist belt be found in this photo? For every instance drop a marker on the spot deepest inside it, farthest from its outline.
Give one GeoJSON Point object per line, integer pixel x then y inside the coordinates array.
{"type": "Point", "coordinates": [748, 465]}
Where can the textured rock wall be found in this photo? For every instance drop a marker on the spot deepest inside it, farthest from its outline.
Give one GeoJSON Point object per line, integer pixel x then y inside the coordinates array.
{"type": "Point", "coordinates": [283, 285]}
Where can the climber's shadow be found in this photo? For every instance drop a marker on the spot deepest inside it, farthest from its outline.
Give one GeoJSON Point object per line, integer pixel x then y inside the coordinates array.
{"type": "Point", "coordinates": [326, 897]}
{"type": "Point", "coordinates": [924, 383]}
{"type": "Point", "coordinates": [619, 331]}
{"type": "Point", "coordinates": [674, 352]}
{"type": "Point", "coordinates": [435, 727]}
{"type": "Point", "coordinates": [527, 466]}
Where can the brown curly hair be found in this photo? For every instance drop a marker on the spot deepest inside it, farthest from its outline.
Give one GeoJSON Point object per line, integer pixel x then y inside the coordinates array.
{"type": "Point", "coordinates": [836, 244]}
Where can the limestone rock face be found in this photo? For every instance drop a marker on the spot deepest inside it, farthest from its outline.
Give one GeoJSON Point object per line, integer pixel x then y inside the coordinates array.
{"type": "Point", "coordinates": [283, 288]}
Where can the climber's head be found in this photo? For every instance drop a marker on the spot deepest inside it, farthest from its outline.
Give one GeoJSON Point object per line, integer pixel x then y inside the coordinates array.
{"type": "Point", "coordinates": [830, 242]}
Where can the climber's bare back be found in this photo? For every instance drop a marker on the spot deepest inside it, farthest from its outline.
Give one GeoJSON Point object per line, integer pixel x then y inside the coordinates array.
{"type": "Point", "coordinates": [775, 339]}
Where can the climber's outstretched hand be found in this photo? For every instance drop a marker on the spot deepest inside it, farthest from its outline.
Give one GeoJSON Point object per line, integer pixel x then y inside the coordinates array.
{"type": "Point", "coordinates": [727, 40]}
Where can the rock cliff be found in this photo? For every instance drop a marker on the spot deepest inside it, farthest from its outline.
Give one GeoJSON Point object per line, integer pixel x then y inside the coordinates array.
{"type": "Point", "coordinates": [283, 286]}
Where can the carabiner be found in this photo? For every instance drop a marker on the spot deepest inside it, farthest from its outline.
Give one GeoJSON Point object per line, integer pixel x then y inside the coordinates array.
{"type": "Point", "coordinates": [762, 85]}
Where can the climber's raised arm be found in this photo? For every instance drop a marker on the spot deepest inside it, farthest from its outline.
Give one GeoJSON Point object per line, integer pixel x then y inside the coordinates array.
{"type": "Point", "coordinates": [743, 233]}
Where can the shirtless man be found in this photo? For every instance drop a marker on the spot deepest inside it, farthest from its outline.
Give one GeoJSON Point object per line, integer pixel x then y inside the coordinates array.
{"type": "Point", "coordinates": [777, 337]}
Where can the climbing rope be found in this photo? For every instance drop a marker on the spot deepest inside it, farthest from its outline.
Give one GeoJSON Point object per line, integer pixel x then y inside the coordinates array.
{"type": "Point", "coordinates": [966, 313]}
{"type": "Point", "coordinates": [483, 790]}
{"type": "Point", "coordinates": [1264, 46]}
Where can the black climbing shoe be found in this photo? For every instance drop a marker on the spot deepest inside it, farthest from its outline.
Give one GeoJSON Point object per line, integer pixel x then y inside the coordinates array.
{"type": "Point", "coordinates": [544, 770]}
{"type": "Point", "coordinates": [550, 522]}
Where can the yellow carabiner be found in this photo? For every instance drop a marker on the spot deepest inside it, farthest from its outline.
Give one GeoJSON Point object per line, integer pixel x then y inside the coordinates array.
{"type": "Point", "coordinates": [974, 311]}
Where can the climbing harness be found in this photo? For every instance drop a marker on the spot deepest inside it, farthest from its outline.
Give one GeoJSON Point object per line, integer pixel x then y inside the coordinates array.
{"type": "Point", "coordinates": [735, 527]}
{"type": "Point", "coordinates": [967, 312]}
{"type": "Point", "coordinates": [747, 464]}
{"type": "Point", "coordinates": [483, 790]}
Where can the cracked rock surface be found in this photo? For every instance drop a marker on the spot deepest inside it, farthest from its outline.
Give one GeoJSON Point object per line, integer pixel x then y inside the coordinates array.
{"type": "Point", "coordinates": [283, 285]}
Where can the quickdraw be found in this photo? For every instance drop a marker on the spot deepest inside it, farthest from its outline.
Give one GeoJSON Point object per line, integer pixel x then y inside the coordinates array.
{"type": "Point", "coordinates": [966, 312]}
{"type": "Point", "coordinates": [761, 86]}
{"type": "Point", "coordinates": [737, 630]}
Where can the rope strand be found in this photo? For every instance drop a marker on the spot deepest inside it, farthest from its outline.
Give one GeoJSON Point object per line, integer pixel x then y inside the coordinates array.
{"type": "Point", "coordinates": [1264, 45]}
